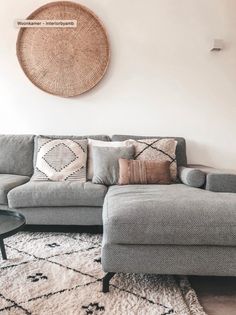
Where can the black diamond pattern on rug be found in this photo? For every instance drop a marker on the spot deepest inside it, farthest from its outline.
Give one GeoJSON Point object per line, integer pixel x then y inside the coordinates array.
{"type": "Point", "coordinates": [39, 279]}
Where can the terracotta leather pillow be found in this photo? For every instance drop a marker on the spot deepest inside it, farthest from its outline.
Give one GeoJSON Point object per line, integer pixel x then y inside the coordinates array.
{"type": "Point", "coordinates": [144, 172]}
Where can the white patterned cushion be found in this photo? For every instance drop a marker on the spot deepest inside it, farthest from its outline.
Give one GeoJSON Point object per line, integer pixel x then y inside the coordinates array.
{"type": "Point", "coordinates": [158, 150]}
{"type": "Point", "coordinates": [60, 160]}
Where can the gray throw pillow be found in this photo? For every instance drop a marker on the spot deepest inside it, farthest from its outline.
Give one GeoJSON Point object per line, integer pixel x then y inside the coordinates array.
{"type": "Point", "coordinates": [106, 163]}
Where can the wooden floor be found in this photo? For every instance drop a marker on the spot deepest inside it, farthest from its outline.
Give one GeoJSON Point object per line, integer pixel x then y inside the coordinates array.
{"type": "Point", "coordinates": [217, 295]}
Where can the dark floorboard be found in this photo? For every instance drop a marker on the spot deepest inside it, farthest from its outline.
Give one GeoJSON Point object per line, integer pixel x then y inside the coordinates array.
{"type": "Point", "coordinates": [91, 229]}
{"type": "Point", "coordinates": [217, 295]}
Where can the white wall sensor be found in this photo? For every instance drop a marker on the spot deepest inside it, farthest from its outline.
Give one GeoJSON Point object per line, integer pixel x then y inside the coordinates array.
{"type": "Point", "coordinates": [217, 45]}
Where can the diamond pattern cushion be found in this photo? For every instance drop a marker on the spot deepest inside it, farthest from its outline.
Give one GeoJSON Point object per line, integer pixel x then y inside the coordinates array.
{"type": "Point", "coordinates": [75, 137]}
{"type": "Point", "coordinates": [156, 149]}
{"type": "Point", "coordinates": [61, 159]}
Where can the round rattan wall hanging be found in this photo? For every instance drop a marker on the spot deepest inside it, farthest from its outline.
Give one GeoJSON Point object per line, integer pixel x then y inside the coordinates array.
{"type": "Point", "coordinates": [64, 61]}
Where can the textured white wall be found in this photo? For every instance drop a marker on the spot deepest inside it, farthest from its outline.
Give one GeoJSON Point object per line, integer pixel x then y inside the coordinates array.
{"type": "Point", "coordinates": [162, 78]}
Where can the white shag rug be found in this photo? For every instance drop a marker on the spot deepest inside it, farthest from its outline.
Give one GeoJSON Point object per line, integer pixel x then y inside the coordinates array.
{"type": "Point", "coordinates": [60, 274]}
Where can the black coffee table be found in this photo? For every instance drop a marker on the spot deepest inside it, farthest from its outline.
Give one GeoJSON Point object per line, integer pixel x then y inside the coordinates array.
{"type": "Point", "coordinates": [10, 223]}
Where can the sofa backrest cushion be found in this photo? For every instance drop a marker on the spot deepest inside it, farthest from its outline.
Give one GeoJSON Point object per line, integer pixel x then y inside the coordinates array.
{"type": "Point", "coordinates": [181, 156]}
{"type": "Point", "coordinates": [95, 137]}
{"type": "Point", "coordinates": [16, 154]}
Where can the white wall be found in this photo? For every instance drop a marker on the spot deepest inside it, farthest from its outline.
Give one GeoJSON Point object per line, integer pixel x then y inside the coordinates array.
{"type": "Point", "coordinates": [162, 80]}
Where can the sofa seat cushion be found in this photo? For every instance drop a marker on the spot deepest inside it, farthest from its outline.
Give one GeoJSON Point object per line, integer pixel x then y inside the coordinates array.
{"type": "Point", "coordinates": [8, 182]}
{"type": "Point", "coordinates": [169, 214]}
{"type": "Point", "coordinates": [57, 194]}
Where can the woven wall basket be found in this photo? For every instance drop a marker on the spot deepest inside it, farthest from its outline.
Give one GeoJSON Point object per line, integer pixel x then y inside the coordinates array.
{"type": "Point", "coordinates": [64, 61]}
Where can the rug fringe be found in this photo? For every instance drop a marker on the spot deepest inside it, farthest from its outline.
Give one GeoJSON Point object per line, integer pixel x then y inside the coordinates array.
{"type": "Point", "coordinates": [190, 297]}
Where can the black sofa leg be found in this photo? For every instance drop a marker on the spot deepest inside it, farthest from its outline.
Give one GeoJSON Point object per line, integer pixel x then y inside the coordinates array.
{"type": "Point", "coordinates": [106, 281]}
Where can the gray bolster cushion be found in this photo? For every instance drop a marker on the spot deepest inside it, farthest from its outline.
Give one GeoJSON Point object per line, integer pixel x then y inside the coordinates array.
{"type": "Point", "coordinates": [221, 182]}
{"type": "Point", "coordinates": [191, 176]}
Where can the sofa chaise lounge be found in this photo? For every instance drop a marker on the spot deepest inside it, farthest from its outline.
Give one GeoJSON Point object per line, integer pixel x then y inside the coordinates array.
{"type": "Point", "coordinates": [164, 229]}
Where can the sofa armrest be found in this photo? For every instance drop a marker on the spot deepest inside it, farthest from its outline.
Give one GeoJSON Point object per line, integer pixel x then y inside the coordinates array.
{"type": "Point", "coordinates": [192, 176]}
{"type": "Point", "coordinates": [219, 180]}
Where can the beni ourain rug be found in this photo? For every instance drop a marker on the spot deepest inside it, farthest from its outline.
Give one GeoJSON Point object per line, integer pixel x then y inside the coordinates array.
{"type": "Point", "coordinates": [60, 274]}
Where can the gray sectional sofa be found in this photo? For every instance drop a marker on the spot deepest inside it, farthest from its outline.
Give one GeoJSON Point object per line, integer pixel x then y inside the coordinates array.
{"type": "Point", "coordinates": [164, 229]}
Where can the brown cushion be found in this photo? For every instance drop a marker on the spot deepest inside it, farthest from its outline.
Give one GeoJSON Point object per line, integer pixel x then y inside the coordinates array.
{"type": "Point", "coordinates": [144, 172]}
